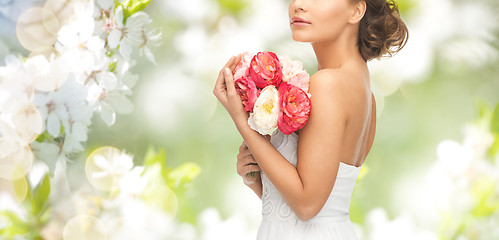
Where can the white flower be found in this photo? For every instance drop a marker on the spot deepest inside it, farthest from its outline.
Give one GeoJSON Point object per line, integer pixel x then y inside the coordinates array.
{"type": "Point", "coordinates": [104, 16]}
{"type": "Point", "coordinates": [116, 164]}
{"type": "Point", "coordinates": [128, 35]}
{"type": "Point", "coordinates": [109, 97]}
{"type": "Point", "coordinates": [47, 75]}
{"type": "Point", "coordinates": [152, 37]}
{"type": "Point", "coordinates": [266, 111]}
{"type": "Point", "coordinates": [80, 48]}
{"type": "Point", "coordinates": [47, 152]}
{"type": "Point", "coordinates": [20, 121]}
{"type": "Point", "coordinates": [66, 107]}
{"type": "Point", "coordinates": [132, 183]}
{"type": "Point", "coordinates": [15, 83]}
{"type": "Point", "coordinates": [137, 216]}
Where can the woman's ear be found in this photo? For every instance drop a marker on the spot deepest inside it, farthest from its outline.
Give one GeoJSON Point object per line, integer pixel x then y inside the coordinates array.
{"type": "Point", "coordinates": [359, 9]}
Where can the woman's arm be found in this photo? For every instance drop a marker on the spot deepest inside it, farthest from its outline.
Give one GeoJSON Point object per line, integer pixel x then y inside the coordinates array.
{"type": "Point", "coordinates": [307, 187]}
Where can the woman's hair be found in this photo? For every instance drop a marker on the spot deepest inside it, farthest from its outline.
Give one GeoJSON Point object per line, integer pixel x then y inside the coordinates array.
{"type": "Point", "coordinates": [381, 30]}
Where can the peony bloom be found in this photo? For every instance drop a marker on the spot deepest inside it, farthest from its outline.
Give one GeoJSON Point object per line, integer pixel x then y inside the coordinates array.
{"type": "Point", "coordinates": [265, 69]}
{"type": "Point", "coordinates": [294, 106]}
{"type": "Point", "coordinates": [265, 111]}
{"type": "Point", "coordinates": [242, 68]}
{"type": "Point", "coordinates": [248, 91]}
{"type": "Point", "coordinates": [293, 73]}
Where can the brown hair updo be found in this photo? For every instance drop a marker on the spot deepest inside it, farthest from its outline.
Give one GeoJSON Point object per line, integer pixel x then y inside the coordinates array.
{"type": "Point", "coordinates": [381, 30]}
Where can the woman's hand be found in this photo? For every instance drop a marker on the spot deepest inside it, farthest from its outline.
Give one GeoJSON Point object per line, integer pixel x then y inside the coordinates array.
{"type": "Point", "coordinates": [226, 93]}
{"type": "Point", "coordinates": [247, 164]}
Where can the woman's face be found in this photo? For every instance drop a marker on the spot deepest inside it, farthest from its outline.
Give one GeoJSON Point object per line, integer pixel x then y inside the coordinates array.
{"type": "Point", "coordinates": [318, 20]}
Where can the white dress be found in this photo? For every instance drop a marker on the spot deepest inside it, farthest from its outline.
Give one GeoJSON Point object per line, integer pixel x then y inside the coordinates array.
{"type": "Point", "coordinates": [332, 222]}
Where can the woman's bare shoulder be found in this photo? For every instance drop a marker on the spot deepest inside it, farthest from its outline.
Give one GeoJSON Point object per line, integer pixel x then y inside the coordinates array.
{"type": "Point", "coordinates": [329, 91]}
{"type": "Point", "coordinates": [342, 76]}
{"type": "Point", "coordinates": [338, 81]}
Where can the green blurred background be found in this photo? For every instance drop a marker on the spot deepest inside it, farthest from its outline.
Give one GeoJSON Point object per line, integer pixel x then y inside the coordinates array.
{"type": "Point", "coordinates": [420, 108]}
{"type": "Point", "coordinates": [425, 94]}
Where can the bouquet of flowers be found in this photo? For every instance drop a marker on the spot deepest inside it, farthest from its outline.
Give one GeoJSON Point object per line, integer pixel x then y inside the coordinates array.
{"type": "Point", "coordinates": [274, 90]}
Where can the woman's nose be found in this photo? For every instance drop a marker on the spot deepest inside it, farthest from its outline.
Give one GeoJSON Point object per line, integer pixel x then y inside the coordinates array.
{"type": "Point", "coordinates": [298, 5]}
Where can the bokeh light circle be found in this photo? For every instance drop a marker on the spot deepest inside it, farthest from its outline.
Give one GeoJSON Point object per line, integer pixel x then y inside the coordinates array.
{"type": "Point", "coordinates": [17, 162]}
{"type": "Point", "coordinates": [92, 168]}
{"type": "Point", "coordinates": [83, 227]}
{"type": "Point", "coordinates": [17, 188]}
{"type": "Point", "coordinates": [37, 29]}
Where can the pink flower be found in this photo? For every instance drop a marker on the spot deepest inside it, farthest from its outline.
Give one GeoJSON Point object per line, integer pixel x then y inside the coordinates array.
{"type": "Point", "coordinates": [294, 106]}
{"type": "Point", "coordinates": [246, 88]}
{"type": "Point", "coordinates": [265, 69]}
{"type": "Point", "coordinates": [242, 68]}
{"type": "Point", "coordinates": [293, 73]}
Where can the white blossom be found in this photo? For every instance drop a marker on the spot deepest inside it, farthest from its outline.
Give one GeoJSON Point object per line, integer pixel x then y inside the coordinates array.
{"type": "Point", "coordinates": [79, 47]}
{"type": "Point", "coordinates": [66, 107]}
{"type": "Point", "coordinates": [114, 165]}
{"type": "Point", "coordinates": [265, 112]}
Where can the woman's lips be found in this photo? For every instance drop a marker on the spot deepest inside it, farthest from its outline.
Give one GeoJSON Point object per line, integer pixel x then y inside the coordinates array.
{"type": "Point", "coordinates": [297, 22]}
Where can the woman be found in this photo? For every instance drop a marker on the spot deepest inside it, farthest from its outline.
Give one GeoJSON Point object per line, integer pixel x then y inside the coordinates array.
{"type": "Point", "coordinates": [307, 178]}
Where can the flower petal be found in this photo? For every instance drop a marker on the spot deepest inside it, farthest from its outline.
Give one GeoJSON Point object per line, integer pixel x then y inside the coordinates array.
{"type": "Point", "coordinates": [107, 115]}
{"type": "Point", "coordinates": [53, 124]}
{"type": "Point", "coordinates": [125, 48]}
{"type": "Point", "coordinates": [114, 38]}
{"type": "Point", "coordinates": [149, 55]}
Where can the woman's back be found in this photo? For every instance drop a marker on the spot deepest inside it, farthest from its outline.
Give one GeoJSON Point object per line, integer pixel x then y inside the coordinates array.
{"type": "Point", "coordinates": [361, 123]}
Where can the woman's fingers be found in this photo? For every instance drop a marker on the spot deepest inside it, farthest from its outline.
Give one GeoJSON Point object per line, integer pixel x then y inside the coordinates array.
{"type": "Point", "coordinates": [236, 62]}
{"type": "Point", "coordinates": [220, 84]}
{"type": "Point", "coordinates": [243, 146]}
{"type": "Point", "coordinates": [243, 160]}
{"type": "Point", "coordinates": [243, 171]}
{"type": "Point", "coordinates": [252, 168]}
{"type": "Point", "coordinates": [231, 61]}
{"type": "Point", "coordinates": [243, 154]}
{"type": "Point", "coordinates": [229, 81]}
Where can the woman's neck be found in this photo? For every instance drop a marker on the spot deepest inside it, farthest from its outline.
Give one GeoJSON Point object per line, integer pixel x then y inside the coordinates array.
{"type": "Point", "coordinates": [333, 53]}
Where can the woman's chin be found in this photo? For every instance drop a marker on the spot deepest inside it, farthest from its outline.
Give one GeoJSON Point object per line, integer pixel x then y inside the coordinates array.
{"type": "Point", "coordinates": [301, 38]}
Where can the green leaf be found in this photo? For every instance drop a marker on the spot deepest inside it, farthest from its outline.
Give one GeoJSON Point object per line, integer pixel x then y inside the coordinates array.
{"type": "Point", "coordinates": [405, 6]}
{"type": "Point", "coordinates": [39, 197]}
{"type": "Point", "coordinates": [233, 6]}
{"type": "Point", "coordinates": [112, 66]}
{"type": "Point", "coordinates": [152, 157]}
{"type": "Point", "coordinates": [62, 130]}
{"type": "Point", "coordinates": [15, 226]}
{"type": "Point", "coordinates": [485, 195]}
{"type": "Point", "coordinates": [484, 111]}
{"type": "Point", "coordinates": [157, 193]}
{"type": "Point", "coordinates": [494, 124]}
{"type": "Point", "coordinates": [132, 6]}
{"type": "Point", "coordinates": [494, 149]}
{"type": "Point", "coordinates": [494, 128]}
{"type": "Point", "coordinates": [42, 136]}
{"type": "Point", "coordinates": [184, 174]}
